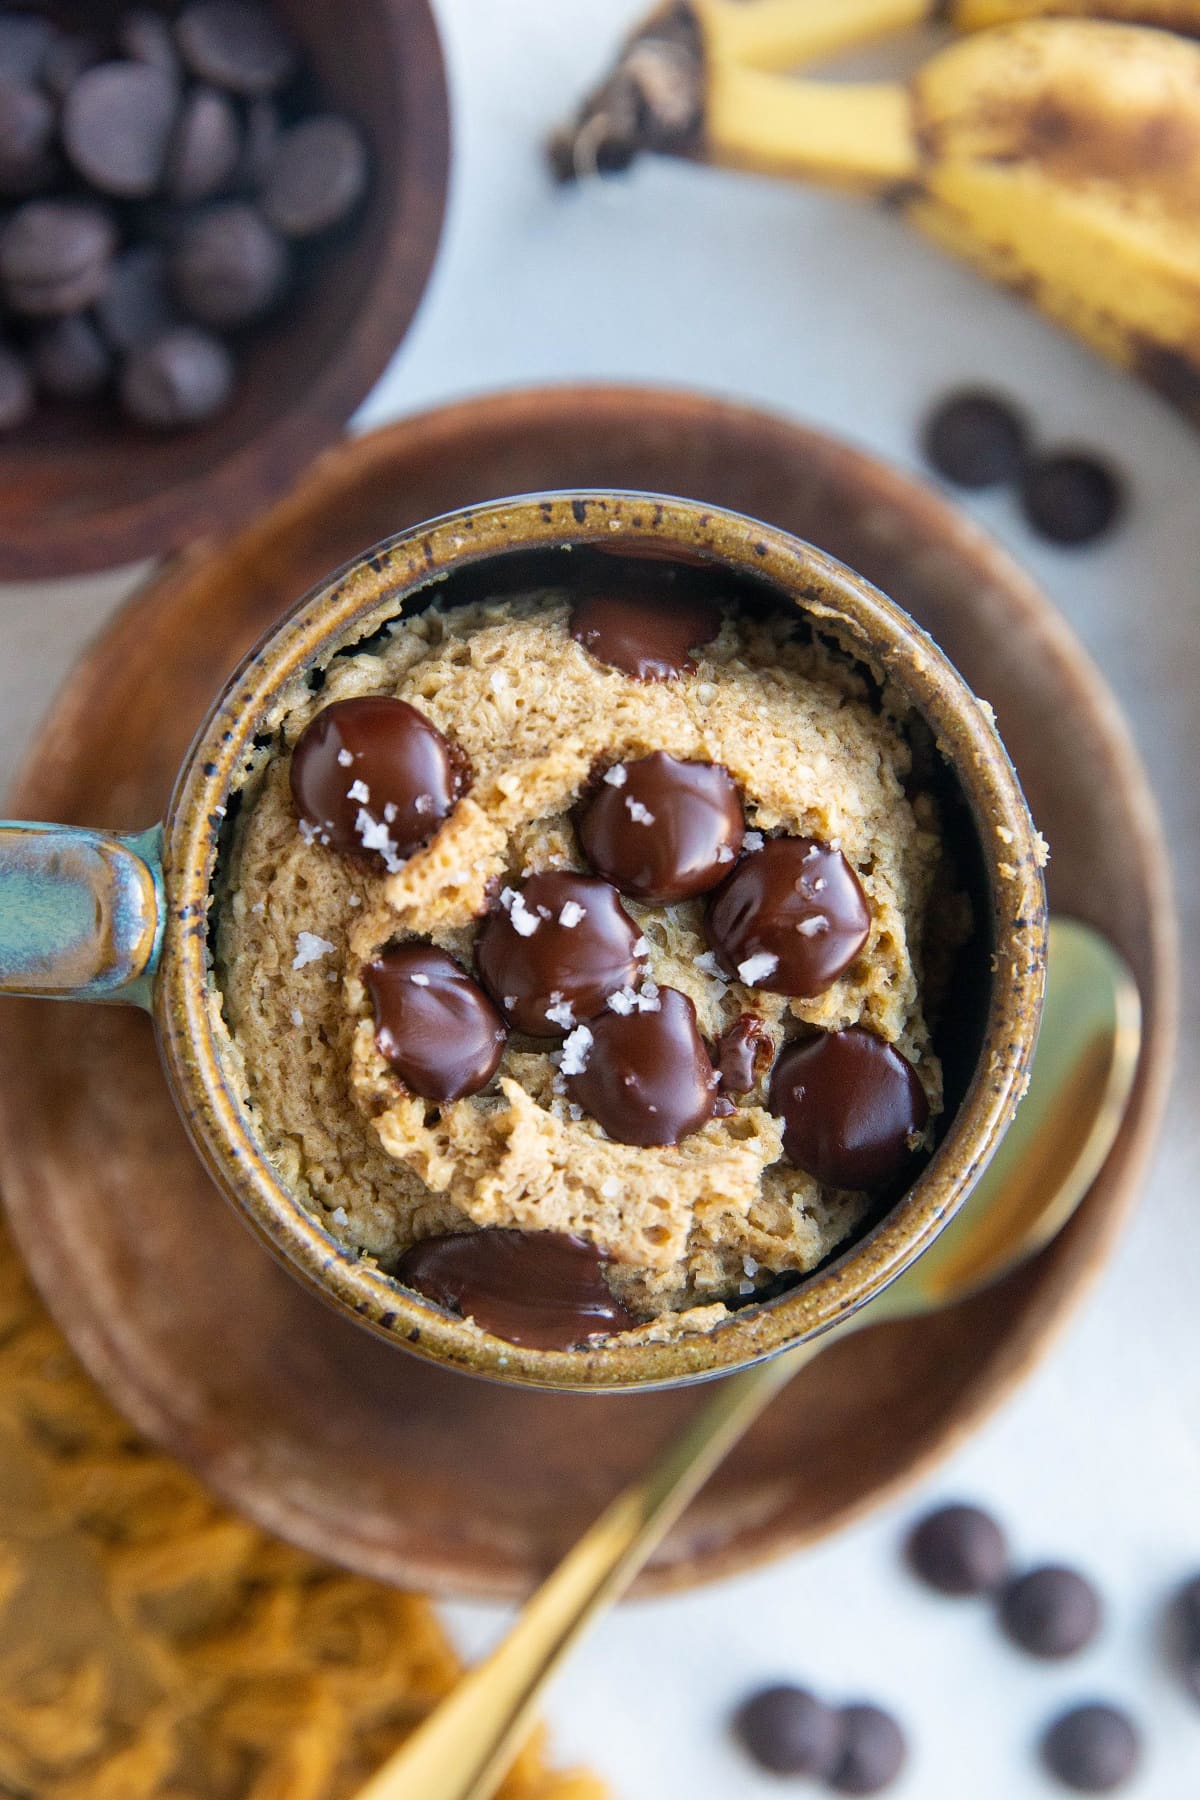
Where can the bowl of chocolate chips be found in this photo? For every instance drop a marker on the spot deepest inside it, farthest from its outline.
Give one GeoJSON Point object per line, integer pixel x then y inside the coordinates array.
{"type": "Point", "coordinates": [217, 218]}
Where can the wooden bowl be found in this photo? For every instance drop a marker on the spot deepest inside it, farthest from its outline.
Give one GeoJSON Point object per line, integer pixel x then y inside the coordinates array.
{"type": "Point", "coordinates": [82, 489]}
{"type": "Point", "coordinates": [413, 1473]}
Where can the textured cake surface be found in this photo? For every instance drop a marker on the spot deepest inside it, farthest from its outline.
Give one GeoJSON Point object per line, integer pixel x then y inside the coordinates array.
{"type": "Point", "coordinates": [815, 751]}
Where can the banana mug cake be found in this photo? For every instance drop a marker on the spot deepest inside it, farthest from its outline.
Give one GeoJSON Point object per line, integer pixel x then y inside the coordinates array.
{"type": "Point", "coordinates": [574, 955]}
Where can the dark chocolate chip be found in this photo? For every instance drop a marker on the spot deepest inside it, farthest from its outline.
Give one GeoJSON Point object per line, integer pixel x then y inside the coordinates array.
{"type": "Point", "coordinates": [646, 1075]}
{"type": "Point", "coordinates": [433, 1023]}
{"type": "Point", "coordinates": [146, 36]}
{"type": "Point", "coordinates": [959, 1550]}
{"type": "Point", "coordinates": [1092, 1749]}
{"type": "Point", "coordinates": [206, 147]}
{"type": "Point", "coordinates": [648, 636]}
{"type": "Point", "coordinates": [177, 379]}
{"type": "Point", "coordinates": [1071, 498]}
{"type": "Point", "coordinates": [316, 177]}
{"type": "Point", "coordinates": [71, 359]}
{"type": "Point", "coordinates": [788, 1731]}
{"type": "Point", "coordinates": [557, 944]}
{"type": "Point", "coordinates": [25, 43]}
{"type": "Point", "coordinates": [744, 1053]}
{"type": "Point", "coordinates": [790, 919]}
{"type": "Point", "coordinates": [543, 1289]}
{"type": "Point", "coordinates": [228, 267]}
{"type": "Point", "coordinates": [661, 829]}
{"type": "Point", "coordinates": [136, 307]}
{"type": "Point", "coordinates": [874, 1750]}
{"type": "Point", "coordinates": [16, 390]}
{"type": "Point", "coordinates": [1051, 1612]}
{"type": "Point", "coordinates": [975, 439]}
{"type": "Point", "coordinates": [236, 45]}
{"type": "Point", "coordinates": [54, 255]}
{"type": "Point", "coordinates": [374, 777]}
{"type": "Point", "coordinates": [26, 133]}
{"type": "Point", "coordinates": [117, 124]}
{"type": "Point", "coordinates": [850, 1106]}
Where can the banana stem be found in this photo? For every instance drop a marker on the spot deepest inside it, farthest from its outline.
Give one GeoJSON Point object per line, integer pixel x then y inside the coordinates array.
{"type": "Point", "coordinates": [784, 34]}
{"type": "Point", "coordinates": [856, 135]}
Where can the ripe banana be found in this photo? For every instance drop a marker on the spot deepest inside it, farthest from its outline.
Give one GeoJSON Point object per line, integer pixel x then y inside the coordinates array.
{"type": "Point", "coordinates": [1059, 156]}
{"type": "Point", "coordinates": [785, 34]}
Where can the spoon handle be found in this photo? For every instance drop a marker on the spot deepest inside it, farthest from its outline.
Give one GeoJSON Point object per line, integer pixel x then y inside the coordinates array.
{"type": "Point", "coordinates": [464, 1748]}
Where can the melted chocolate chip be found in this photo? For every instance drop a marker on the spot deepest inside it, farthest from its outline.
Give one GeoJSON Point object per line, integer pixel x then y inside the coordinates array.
{"type": "Point", "coordinates": [554, 951]}
{"type": "Point", "coordinates": [433, 1024]}
{"type": "Point", "coordinates": [744, 1053]}
{"type": "Point", "coordinates": [544, 1289]}
{"type": "Point", "coordinates": [647, 1078]}
{"type": "Point", "coordinates": [849, 1103]}
{"type": "Point", "coordinates": [374, 775]}
{"type": "Point", "coordinates": [790, 919]}
{"type": "Point", "coordinates": [647, 637]}
{"type": "Point", "coordinates": [663, 830]}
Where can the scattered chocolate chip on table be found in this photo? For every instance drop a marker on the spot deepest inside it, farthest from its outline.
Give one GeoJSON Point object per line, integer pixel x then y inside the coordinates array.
{"type": "Point", "coordinates": [975, 439]}
{"type": "Point", "coordinates": [874, 1750]}
{"type": "Point", "coordinates": [1092, 1749]}
{"type": "Point", "coordinates": [1051, 1612]}
{"type": "Point", "coordinates": [1071, 498]}
{"type": "Point", "coordinates": [788, 1731]}
{"type": "Point", "coordinates": [959, 1550]}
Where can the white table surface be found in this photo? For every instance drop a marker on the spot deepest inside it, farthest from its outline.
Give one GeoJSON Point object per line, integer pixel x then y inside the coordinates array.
{"type": "Point", "coordinates": [838, 315]}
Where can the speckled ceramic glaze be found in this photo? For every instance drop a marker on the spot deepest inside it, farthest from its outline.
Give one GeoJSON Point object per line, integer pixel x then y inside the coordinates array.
{"type": "Point", "coordinates": [357, 601]}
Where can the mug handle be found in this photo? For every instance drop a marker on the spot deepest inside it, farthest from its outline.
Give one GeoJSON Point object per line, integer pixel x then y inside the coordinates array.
{"type": "Point", "coordinates": [81, 912]}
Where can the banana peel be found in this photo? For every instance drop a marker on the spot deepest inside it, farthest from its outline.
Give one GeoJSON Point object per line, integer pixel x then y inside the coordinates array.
{"type": "Point", "coordinates": [1058, 156]}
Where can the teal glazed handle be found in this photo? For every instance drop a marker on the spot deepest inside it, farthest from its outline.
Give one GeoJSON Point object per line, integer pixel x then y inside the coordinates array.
{"type": "Point", "coordinates": [81, 912]}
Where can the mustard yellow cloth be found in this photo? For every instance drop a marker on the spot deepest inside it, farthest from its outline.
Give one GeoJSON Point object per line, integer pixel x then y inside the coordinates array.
{"type": "Point", "coordinates": [154, 1646]}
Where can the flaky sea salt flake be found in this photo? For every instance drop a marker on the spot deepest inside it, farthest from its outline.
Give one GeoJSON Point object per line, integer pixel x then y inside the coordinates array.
{"type": "Point", "coordinates": [641, 815]}
{"type": "Point", "coordinates": [575, 1051]}
{"type": "Point", "coordinates": [757, 967]}
{"type": "Point", "coordinates": [310, 949]}
{"type": "Point", "coordinates": [617, 776]}
{"type": "Point", "coordinates": [358, 790]}
{"type": "Point", "coordinates": [753, 840]}
{"type": "Point", "coordinates": [813, 926]}
{"type": "Point", "coordinates": [571, 914]}
{"type": "Point", "coordinates": [345, 758]}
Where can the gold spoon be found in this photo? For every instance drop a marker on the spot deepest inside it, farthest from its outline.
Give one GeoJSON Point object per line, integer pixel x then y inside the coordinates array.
{"type": "Point", "coordinates": [1082, 1075]}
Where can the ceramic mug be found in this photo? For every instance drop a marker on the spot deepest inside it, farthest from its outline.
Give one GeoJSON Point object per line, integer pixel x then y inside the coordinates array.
{"type": "Point", "coordinates": [89, 915]}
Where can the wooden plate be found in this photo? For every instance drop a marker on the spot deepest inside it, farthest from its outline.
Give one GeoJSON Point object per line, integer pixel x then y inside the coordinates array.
{"type": "Point", "coordinates": [327, 1435]}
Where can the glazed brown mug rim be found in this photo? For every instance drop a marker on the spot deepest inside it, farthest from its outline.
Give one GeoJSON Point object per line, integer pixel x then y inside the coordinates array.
{"type": "Point", "coordinates": [375, 588]}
